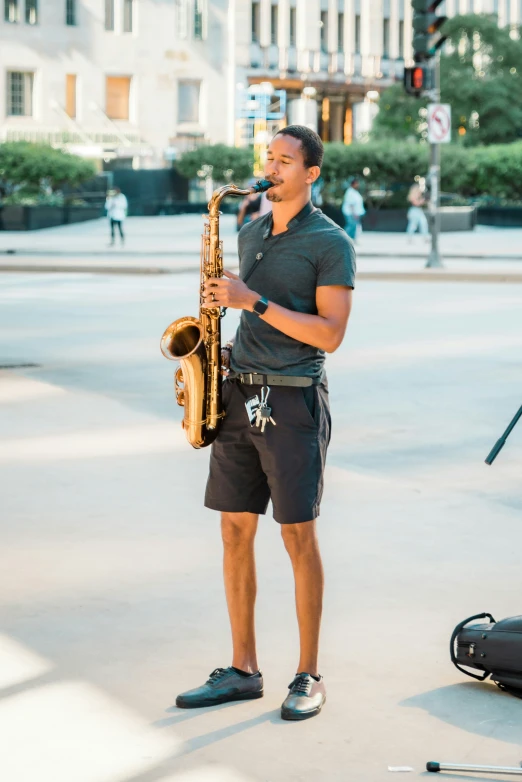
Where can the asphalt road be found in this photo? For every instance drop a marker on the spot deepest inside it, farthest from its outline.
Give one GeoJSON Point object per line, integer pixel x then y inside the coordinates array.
{"type": "Point", "coordinates": [110, 587]}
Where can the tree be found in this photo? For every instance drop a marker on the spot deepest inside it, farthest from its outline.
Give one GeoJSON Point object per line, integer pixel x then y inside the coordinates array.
{"type": "Point", "coordinates": [400, 116]}
{"type": "Point", "coordinates": [37, 169]}
{"type": "Point", "coordinates": [481, 77]}
{"type": "Point", "coordinates": [228, 163]}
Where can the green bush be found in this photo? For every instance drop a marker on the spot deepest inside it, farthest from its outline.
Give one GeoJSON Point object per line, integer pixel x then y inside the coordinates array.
{"type": "Point", "coordinates": [387, 170]}
{"type": "Point", "coordinates": [228, 163]}
{"type": "Point", "coordinates": [24, 197]}
{"type": "Point", "coordinates": [36, 171]}
{"type": "Point", "coordinates": [381, 167]}
{"type": "Point", "coordinates": [486, 174]}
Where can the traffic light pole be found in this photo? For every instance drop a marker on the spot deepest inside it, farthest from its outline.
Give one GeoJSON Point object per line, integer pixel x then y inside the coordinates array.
{"type": "Point", "coordinates": [434, 258]}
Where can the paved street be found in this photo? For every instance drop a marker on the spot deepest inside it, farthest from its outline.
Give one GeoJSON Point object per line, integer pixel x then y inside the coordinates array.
{"type": "Point", "coordinates": [110, 587]}
{"type": "Point", "coordinates": [156, 245]}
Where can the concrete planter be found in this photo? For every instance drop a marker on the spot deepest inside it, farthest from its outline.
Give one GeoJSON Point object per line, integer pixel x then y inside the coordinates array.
{"type": "Point", "coordinates": [140, 208]}
{"type": "Point", "coordinates": [453, 218]}
{"type": "Point", "coordinates": [31, 218]}
{"type": "Point", "coordinates": [501, 216]}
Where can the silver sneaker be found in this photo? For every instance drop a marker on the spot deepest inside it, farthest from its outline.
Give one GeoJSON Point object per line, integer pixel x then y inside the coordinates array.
{"type": "Point", "coordinates": [223, 685]}
{"type": "Point", "coordinates": [305, 699]}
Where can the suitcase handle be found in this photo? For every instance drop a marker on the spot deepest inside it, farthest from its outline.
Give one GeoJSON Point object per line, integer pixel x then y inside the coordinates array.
{"type": "Point", "coordinates": [452, 645]}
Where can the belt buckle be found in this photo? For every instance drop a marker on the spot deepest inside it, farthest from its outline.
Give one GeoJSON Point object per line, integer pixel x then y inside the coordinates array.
{"type": "Point", "coordinates": [246, 377]}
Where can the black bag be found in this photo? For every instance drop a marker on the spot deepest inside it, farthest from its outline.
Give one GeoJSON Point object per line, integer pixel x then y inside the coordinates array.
{"type": "Point", "coordinates": [494, 648]}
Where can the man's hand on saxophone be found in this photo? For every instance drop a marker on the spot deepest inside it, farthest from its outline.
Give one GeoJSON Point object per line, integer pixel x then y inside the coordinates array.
{"type": "Point", "coordinates": [228, 291]}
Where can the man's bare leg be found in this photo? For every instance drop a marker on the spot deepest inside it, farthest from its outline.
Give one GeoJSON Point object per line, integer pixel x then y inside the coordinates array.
{"type": "Point", "coordinates": [302, 545]}
{"type": "Point", "coordinates": [238, 531]}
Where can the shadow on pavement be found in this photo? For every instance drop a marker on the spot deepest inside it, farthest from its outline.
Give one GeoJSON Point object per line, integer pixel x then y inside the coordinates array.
{"type": "Point", "coordinates": [476, 708]}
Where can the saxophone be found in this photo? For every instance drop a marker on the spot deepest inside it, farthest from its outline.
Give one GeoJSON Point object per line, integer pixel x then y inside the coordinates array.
{"type": "Point", "coordinates": [196, 342]}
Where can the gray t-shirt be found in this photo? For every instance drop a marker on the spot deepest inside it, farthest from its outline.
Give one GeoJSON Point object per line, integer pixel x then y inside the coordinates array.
{"type": "Point", "coordinates": [313, 252]}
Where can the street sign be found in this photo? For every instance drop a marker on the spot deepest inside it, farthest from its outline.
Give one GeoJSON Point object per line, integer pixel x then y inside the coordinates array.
{"type": "Point", "coordinates": [439, 123]}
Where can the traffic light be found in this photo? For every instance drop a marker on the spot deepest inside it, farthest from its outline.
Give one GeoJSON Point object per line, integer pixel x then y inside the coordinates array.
{"type": "Point", "coordinates": [427, 38]}
{"type": "Point", "coordinates": [418, 79]}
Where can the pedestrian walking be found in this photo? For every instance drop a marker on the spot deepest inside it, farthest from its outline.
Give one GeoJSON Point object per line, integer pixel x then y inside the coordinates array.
{"type": "Point", "coordinates": [353, 209]}
{"type": "Point", "coordinates": [265, 206]}
{"type": "Point", "coordinates": [417, 220]}
{"type": "Point", "coordinates": [317, 192]}
{"type": "Point", "coordinates": [249, 209]}
{"type": "Point", "coordinates": [116, 206]}
{"type": "Point", "coordinates": [300, 268]}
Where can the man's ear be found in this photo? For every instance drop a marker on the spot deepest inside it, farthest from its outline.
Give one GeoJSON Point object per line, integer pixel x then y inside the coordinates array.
{"type": "Point", "coordinates": [313, 174]}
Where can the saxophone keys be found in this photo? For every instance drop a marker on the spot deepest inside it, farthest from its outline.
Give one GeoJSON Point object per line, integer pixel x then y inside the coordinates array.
{"type": "Point", "coordinates": [179, 387]}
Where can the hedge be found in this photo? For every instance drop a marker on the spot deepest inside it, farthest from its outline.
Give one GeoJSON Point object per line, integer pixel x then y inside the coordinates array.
{"type": "Point", "coordinates": [484, 174]}
{"type": "Point", "coordinates": [491, 174]}
{"type": "Point", "coordinates": [228, 163]}
{"type": "Point", "coordinates": [38, 170]}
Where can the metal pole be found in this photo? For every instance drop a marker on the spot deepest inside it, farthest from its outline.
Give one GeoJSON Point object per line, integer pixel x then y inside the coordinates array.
{"type": "Point", "coordinates": [502, 441]}
{"type": "Point", "coordinates": [434, 767]}
{"type": "Point", "coordinates": [434, 258]}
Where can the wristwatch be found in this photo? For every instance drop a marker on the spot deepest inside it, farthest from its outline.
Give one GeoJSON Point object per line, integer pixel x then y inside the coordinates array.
{"type": "Point", "coordinates": [261, 306]}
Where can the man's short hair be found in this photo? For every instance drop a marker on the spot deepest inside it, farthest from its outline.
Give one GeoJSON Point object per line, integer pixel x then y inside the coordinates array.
{"type": "Point", "coordinates": [311, 143]}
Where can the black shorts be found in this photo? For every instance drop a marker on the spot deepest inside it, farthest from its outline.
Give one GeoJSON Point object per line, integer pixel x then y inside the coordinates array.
{"type": "Point", "coordinates": [284, 464]}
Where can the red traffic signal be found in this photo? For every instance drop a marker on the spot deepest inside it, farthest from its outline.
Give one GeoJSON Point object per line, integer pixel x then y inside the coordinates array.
{"type": "Point", "coordinates": [418, 79]}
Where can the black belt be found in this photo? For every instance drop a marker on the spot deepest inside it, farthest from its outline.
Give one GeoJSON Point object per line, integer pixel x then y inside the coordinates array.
{"type": "Point", "coordinates": [257, 379]}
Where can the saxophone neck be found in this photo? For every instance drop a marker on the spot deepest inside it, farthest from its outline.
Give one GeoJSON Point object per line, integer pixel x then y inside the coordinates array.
{"type": "Point", "coordinates": [218, 195]}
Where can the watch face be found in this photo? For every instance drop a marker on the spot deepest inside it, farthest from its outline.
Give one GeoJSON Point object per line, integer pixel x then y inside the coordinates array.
{"type": "Point", "coordinates": [260, 306]}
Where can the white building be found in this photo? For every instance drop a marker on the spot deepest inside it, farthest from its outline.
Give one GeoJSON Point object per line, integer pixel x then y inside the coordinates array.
{"type": "Point", "coordinates": [134, 82]}
{"type": "Point", "coordinates": [114, 79]}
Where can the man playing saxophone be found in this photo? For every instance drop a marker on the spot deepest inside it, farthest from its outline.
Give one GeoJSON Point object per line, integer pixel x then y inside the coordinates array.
{"type": "Point", "coordinates": [297, 271]}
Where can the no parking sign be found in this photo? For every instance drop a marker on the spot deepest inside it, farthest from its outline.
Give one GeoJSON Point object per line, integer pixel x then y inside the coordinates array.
{"type": "Point", "coordinates": [439, 123]}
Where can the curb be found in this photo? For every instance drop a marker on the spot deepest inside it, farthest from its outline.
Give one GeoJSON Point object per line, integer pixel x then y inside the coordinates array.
{"type": "Point", "coordinates": [441, 275]}
{"type": "Point", "coordinates": [422, 275]}
{"type": "Point", "coordinates": [166, 254]}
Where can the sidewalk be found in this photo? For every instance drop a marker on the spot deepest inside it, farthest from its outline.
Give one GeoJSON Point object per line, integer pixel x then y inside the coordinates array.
{"type": "Point", "coordinates": [167, 245]}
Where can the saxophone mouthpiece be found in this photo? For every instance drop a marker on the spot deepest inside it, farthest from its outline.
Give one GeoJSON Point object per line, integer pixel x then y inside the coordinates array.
{"type": "Point", "coordinates": [261, 185]}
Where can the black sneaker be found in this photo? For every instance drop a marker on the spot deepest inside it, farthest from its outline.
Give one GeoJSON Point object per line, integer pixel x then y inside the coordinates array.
{"type": "Point", "coordinates": [305, 699]}
{"type": "Point", "coordinates": [223, 685]}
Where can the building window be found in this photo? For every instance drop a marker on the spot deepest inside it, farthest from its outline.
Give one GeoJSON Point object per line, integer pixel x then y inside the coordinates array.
{"type": "Point", "coordinates": [340, 33]}
{"type": "Point", "coordinates": [127, 16]}
{"type": "Point", "coordinates": [19, 94]}
{"type": "Point", "coordinates": [109, 14]}
{"type": "Point", "coordinates": [31, 11]}
{"type": "Point", "coordinates": [70, 12]}
{"type": "Point", "coordinates": [11, 11]}
{"type": "Point", "coordinates": [256, 21]}
{"type": "Point", "coordinates": [70, 95]}
{"type": "Point", "coordinates": [188, 101]}
{"type": "Point", "coordinates": [273, 23]}
{"type": "Point", "coordinates": [386, 38]}
{"type": "Point", "coordinates": [401, 40]}
{"type": "Point", "coordinates": [324, 31]}
{"type": "Point", "coordinates": [357, 34]}
{"type": "Point", "coordinates": [199, 20]}
{"type": "Point", "coordinates": [293, 27]}
{"type": "Point", "coordinates": [182, 18]}
{"type": "Point", "coordinates": [117, 97]}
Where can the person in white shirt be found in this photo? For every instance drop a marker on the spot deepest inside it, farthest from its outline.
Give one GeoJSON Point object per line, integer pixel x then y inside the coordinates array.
{"type": "Point", "coordinates": [116, 206]}
{"type": "Point", "coordinates": [417, 220]}
{"type": "Point", "coordinates": [353, 209]}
